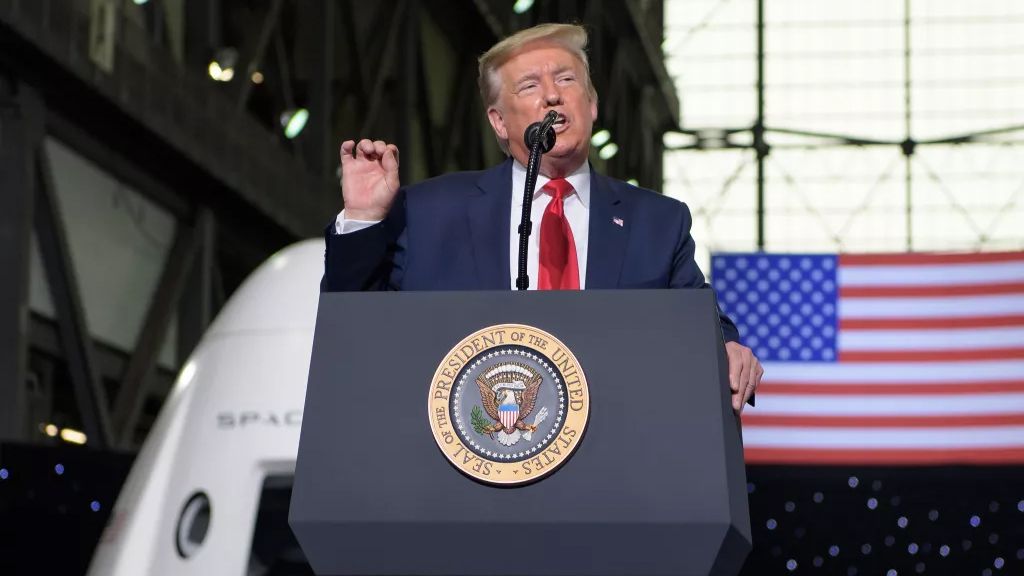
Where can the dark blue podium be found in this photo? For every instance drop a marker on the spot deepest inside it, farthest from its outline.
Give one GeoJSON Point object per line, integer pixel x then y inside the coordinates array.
{"type": "Point", "coordinates": [657, 485]}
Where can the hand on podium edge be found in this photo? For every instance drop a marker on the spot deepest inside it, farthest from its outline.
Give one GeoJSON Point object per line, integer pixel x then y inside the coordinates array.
{"type": "Point", "coordinates": [745, 372]}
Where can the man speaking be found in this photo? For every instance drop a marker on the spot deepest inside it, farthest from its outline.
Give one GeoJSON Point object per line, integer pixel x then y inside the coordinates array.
{"type": "Point", "coordinates": [460, 231]}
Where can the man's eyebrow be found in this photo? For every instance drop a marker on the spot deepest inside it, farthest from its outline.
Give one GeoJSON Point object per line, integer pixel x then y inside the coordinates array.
{"type": "Point", "coordinates": [536, 75]}
{"type": "Point", "coordinates": [525, 77]}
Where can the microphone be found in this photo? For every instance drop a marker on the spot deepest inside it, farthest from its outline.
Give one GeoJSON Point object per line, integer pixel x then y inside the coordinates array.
{"type": "Point", "coordinates": [539, 138]}
{"type": "Point", "coordinates": [533, 130]}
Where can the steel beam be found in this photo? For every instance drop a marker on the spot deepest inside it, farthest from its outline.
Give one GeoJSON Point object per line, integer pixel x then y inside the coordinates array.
{"type": "Point", "coordinates": [387, 65]}
{"type": "Point", "coordinates": [202, 31]}
{"type": "Point", "coordinates": [411, 60]}
{"type": "Point", "coordinates": [196, 307]}
{"type": "Point", "coordinates": [135, 384]}
{"type": "Point", "coordinates": [252, 57]}
{"type": "Point", "coordinates": [160, 116]}
{"type": "Point", "coordinates": [428, 133]}
{"type": "Point", "coordinates": [318, 139]}
{"type": "Point", "coordinates": [760, 145]}
{"type": "Point", "coordinates": [76, 340]}
{"type": "Point", "coordinates": [655, 61]}
{"type": "Point", "coordinates": [21, 132]}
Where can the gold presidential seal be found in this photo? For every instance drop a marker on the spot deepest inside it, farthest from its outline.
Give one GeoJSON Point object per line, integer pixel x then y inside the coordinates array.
{"type": "Point", "coordinates": [508, 404]}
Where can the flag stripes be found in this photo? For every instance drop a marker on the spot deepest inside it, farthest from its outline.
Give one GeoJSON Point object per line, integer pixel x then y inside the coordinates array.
{"type": "Point", "coordinates": [881, 358]}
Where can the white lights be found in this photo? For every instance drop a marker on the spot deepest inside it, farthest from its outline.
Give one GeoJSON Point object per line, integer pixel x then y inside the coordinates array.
{"type": "Point", "coordinates": [674, 140]}
{"type": "Point", "coordinates": [222, 67]}
{"type": "Point", "coordinates": [522, 6]}
{"type": "Point", "coordinates": [608, 151]}
{"type": "Point", "coordinates": [140, 2]}
{"type": "Point", "coordinates": [600, 138]}
{"type": "Point", "coordinates": [220, 74]}
{"type": "Point", "coordinates": [293, 121]}
{"type": "Point", "coordinates": [257, 77]}
{"type": "Point", "coordinates": [73, 436]}
{"type": "Point", "coordinates": [633, 181]}
{"type": "Point", "coordinates": [66, 434]}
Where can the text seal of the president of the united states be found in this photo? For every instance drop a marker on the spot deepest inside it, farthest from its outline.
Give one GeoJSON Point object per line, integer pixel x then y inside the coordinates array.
{"type": "Point", "coordinates": [508, 404]}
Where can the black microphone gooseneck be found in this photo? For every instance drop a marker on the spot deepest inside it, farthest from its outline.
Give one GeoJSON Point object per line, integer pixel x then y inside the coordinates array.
{"type": "Point", "coordinates": [540, 138]}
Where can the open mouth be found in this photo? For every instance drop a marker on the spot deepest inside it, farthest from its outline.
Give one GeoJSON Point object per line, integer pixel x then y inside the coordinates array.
{"type": "Point", "coordinates": [560, 123]}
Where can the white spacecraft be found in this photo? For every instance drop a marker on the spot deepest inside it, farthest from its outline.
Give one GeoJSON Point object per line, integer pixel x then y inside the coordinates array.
{"type": "Point", "coordinates": [208, 493]}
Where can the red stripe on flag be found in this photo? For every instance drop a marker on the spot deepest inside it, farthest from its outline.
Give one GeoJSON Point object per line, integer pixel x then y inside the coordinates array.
{"type": "Point", "coordinates": [943, 421]}
{"type": "Point", "coordinates": [888, 388]}
{"type": "Point", "coordinates": [932, 323]}
{"type": "Point", "coordinates": [917, 456]}
{"type": "Point", "coordinates": [926, 291]}
{"type": "Point", "coordinates": [925, 259]}
{"type": "Point", "coordinates": [931, 355]}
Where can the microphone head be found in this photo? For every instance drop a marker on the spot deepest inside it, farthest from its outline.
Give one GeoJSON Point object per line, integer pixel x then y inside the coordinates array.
{"type": "Point", "coordinates": [535, 129]}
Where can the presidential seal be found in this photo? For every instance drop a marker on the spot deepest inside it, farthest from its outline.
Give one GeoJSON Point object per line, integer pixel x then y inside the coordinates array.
{"type": "Point", "coordinates": [508, 404]}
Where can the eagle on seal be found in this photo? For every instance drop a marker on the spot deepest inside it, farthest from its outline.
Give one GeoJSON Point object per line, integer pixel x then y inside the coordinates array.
{"type": "Point", "coordinates": [509, 394]}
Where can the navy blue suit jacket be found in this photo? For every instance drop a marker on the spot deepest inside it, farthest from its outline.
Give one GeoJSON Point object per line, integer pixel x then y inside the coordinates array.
{"type": "Point", "coordinates": [452, 233]}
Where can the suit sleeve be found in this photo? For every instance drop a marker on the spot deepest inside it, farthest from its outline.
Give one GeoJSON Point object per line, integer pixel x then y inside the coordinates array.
{"type": "Point", "coordinates": [686, 273]}
{"type": "Point", "coordinates": [367, 260]}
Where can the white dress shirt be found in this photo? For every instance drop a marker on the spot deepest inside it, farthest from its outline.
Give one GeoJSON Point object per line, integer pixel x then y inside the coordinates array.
{"type": "Point", "coordinates": [576, 208]}
{"type": "Point", "coordinates": [577, 212]}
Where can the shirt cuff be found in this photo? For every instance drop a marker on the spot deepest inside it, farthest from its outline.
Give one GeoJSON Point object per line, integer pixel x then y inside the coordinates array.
{"type": "Point", "coordinates": [345, 226]}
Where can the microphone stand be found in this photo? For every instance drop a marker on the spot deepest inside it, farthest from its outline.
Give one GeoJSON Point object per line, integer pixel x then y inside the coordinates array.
{"type": "Point", "coordinates": [540, 138]}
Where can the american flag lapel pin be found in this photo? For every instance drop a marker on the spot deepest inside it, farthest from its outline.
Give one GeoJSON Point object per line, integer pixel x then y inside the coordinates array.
{"type": "Point", "coordinates": [617, 221]}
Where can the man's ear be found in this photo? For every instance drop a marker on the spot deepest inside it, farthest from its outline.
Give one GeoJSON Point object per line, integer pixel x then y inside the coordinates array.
{"type": "Point", "coordinates": [497, 123]}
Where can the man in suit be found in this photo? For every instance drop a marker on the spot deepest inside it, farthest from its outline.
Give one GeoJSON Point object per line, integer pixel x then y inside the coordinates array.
{"type": "Point", "coordinates": [459, 231]}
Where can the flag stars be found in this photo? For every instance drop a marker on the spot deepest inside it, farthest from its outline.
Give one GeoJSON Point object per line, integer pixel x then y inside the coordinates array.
{"type": "Point", "coordinates": [785, 305]}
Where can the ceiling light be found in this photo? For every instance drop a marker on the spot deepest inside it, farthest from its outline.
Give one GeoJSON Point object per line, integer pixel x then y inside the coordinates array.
{"type": "Point", "coordinates": [222, 67]}
{"type": "Point", "coordinates": [521, 6]}
{"type": "Point", "coordinates": [608, 151]}
{"type": "Point", "coordinates": [600, 138]}
{"type": "Point", "coordinates": [293, 121]}
{"type": "Point", "coordinates": [673, 140]}
{"type": "Point", "coordinates": [73, 436]}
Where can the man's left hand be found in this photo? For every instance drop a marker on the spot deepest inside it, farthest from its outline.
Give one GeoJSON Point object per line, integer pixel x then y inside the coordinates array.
{"type": "Point", "coordinates": [745, 373]}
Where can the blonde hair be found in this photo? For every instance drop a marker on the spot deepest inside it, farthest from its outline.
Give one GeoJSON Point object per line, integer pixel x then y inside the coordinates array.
{"type": "Point", "coordinates": [572, 37]}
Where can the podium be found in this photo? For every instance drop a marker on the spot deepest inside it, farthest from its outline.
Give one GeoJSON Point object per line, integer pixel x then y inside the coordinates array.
{"type": "Point", "coordinates": [656, 484]}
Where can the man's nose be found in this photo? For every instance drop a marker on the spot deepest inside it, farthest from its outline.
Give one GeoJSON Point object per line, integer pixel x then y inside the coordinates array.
{"type": "Point", "coordinates": [552, 95]}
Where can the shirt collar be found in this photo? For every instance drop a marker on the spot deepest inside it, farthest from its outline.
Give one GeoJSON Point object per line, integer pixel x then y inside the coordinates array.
{"type": "Point", "coordinates": [580, 180]}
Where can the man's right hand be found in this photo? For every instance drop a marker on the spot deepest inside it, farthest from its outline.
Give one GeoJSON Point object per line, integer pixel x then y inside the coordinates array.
{"type": "Point", "coordinates": [369, 178]}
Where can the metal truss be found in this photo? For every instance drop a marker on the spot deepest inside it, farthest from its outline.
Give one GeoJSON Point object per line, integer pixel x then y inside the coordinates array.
{"type": "Point", "coordinates": [136, 100]}
{"type": "Point", "coordinates": [756, 138]}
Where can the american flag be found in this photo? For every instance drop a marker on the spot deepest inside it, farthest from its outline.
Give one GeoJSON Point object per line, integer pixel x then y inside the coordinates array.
{"type": "Point", "coordinates": [881, 358]}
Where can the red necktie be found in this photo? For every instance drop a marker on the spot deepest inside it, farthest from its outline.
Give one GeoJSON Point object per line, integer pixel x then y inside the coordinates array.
{"type": "Point", "coordinates": [558, 269]}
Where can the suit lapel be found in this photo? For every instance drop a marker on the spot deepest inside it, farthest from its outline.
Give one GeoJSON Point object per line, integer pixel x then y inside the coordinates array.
{"type": "Point", "coordinates": [489, 212]}
{"type": "Point", "coordinates": [609, 232]}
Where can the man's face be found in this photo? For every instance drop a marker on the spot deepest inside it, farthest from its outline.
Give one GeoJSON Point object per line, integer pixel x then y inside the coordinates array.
{"type": "Point", "coordinates": [543, 77]}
